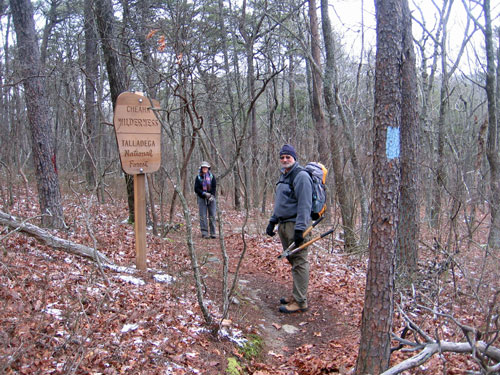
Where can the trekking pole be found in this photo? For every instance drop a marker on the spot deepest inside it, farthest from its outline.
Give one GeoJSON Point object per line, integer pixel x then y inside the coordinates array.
{"type": "Point", "coordinates": [292, 250]}
{"type": "Point", "coordinates": [305, 244]}
{"type": "Point", "coordinates": [306, 232]}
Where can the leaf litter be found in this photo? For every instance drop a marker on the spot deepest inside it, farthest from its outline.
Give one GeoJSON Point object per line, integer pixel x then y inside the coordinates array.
{"type": "Point", "coordinates": [62, 312]}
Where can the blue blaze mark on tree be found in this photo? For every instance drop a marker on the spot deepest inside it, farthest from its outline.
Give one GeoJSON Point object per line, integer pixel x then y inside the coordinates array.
{"type": "Point", "coordinates": [392, 143]}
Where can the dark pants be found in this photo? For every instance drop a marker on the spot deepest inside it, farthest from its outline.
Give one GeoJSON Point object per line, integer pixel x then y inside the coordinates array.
{"type": "Point", "coordinates": [299, 262]}
{"type": "Point", "coordinates": [205, 209]}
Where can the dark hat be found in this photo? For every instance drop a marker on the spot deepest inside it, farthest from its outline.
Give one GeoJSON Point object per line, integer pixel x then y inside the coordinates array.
{"type": "Point", "coordinates": [288, 150]}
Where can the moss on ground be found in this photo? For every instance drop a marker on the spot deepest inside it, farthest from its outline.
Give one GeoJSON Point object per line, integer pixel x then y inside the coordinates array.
{"type": "Point", "coordinates": [233, 367]}
{"type": "Point", "coordinates": [252, 348]}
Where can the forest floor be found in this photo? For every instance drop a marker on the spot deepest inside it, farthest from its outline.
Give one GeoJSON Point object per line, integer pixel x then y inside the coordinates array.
{"type": "Point", "coordinates": [63, 314]}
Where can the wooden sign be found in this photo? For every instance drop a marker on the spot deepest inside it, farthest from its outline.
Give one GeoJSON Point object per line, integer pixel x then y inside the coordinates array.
{"type": "Point", "coordinates": [138, 133]}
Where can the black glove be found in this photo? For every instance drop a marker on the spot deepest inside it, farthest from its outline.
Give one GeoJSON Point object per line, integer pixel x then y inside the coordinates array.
{"type": "Point", "coordinates": [270, 229]}
{"type": "Point", "coordinates": [298, 238]}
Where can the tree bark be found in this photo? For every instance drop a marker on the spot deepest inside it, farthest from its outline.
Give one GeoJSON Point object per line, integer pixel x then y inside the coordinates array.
{"type": "Point", "coordinates": [376, 324]}
{"type": "Point", "coordinates": [91, 72]}
{"type": "Point", "coordinates": [317, 96]}
{"type": "Point", "coordinates": [51, 240]}
{"type": "Point", "coordinates": [346, 207]}
{"type": "Point", "coordinates": [442, 347]}
{"type": "Point", "coordinates": [408, 228]}
{"type": "Point", "coordinates": [492, 142]}
{"type": "Point", "coordinates": [441, 177]}
{"type": "Point", "coordinates": [292, 124]}
{"type": "Point", "coordinates": [116, 73]}
{"type": "Point", "coordinates": [230, 94]}
{"type": "Point", "coordinates": [42, 141]}
{"type": "Point", "coordinates": [249, 32]}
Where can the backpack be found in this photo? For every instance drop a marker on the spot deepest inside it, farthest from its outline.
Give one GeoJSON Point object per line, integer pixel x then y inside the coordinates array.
{"type": "Point", "coordinates": [318, 173]}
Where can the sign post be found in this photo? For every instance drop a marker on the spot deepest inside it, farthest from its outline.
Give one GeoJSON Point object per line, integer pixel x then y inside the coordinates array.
{"type": "Point", "coordinates": [138, 134]}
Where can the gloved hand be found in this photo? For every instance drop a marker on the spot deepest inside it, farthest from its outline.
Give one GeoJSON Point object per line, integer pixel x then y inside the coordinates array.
{"type": "Point", "coordinates": [207, 195]}
{"type": "Point", "coordinates": [270, 229]}
{"type": "Point", "coordinates": [298, 237]}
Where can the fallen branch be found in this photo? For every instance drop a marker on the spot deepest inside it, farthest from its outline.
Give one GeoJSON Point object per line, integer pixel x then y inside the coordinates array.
{"type": "Point", "coordinates": [443, 346]}
{"type": "Point", "coordinates": [73, 248]}
{"type": "Point", "coordinates": [51, 240]}
{"type": "Point", "coordinates": [432, 346]}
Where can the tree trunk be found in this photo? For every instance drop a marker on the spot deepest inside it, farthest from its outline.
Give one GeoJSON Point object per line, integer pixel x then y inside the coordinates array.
{"type": "Point", "coordinates": [249, 32]}
{"type": "Point", "coordinates": [408, 228]}
{"type": "Point", "coordinates": [492, 143]}
{"type": "Point", "coordinates": [50, 240]}
{"type": "Point", "coordinates": [317, 96]}
{"type": "Point", "coordinates": [229, 92]}
{"type": "Point", "coordinates": [272, 105]}
{"type": "Point", "coordinates": [292, 124]}
{"type": "Point", "coordinates": [103, 12]}
{"type": "Point", "coordinates": [376, 324]}
{"type": "Point", "coordinates": [425, 120]}
{"type": "Point", "coordinates": [91, 72]}
{"type": "Point", "coordinates": [346, 207]}
{"type": "Point", "coordinates": [42, 141]}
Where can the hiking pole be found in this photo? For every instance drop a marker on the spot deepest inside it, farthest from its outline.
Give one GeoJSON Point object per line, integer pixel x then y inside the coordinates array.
{"type": "Point", "coordinates": [288, 252]}
{"type": "Point", "coordinates": [306, 232]}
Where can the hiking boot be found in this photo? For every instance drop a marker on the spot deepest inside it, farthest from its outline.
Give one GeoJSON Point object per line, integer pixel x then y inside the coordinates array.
{"type": "Point", "coordinates": [286, 300]}
{"type": "Point", "coordinates": [213, 236]}
{"type": "Point", "coordinates": [293, 307]}
{"type": "Point", "coordinates": [205, 236]}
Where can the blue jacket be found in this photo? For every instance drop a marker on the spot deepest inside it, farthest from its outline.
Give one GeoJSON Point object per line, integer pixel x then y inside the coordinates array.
{"type": "Point", "coordinates": [293, 204]}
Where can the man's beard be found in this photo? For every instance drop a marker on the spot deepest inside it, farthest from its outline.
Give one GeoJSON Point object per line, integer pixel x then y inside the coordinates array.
{"type": "Point", "coordinates": [288, 164]}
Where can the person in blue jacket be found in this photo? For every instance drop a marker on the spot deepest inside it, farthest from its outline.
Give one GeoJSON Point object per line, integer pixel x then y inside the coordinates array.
{"type": "Point", "coordinates": [292, 211]}
{"type": "Point", "coordinates": [205, 188]}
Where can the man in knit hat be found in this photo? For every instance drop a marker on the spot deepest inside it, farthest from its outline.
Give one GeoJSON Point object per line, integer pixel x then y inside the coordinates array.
{"type": "Point", "coordinates": [292, 211]}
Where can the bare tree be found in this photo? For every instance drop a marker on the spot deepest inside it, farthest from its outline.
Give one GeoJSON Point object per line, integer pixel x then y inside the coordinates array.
{"type": "Point", "coordinates": [376, 325]}
{"type": "Point", "coordinates": [250, 32]}
{"type": "Point", "coordinates": [330, 83]}
{"type": "Point", "coordinates": [492, 142]}
{"type": "Point", "coordinates": [408, 228]}
{"type": "Point", "coordinates": [91, 73]}
{"type": "Point", "coordinates": [317, 94]}
{"type": "Point", "coordinates": [42, 140]}
{"type": "Point", "coordinates": [104, 14]}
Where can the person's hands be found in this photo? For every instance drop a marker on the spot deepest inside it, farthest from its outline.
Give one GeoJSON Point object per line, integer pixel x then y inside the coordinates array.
{"type": "Point", "coordinates": [207, 195]}
{"type": "Point", "coordinates": [298, 237]}
{"type": "Point", "coordinates": [270, 229]}
{"type": "Point", "coordinates": [211, 199]}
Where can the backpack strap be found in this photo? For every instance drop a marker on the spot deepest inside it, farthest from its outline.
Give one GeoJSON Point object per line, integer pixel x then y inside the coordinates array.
{"type": "Point", "coordinates": [292, 176]}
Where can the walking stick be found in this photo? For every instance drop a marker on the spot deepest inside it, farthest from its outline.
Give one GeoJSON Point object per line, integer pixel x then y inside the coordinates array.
{"type": "Point", "coordinates": [291, 250]}
{"type": "Point", "coordinates": [306, 232]}
{"type": "Point", "coordinates": [288, 252]}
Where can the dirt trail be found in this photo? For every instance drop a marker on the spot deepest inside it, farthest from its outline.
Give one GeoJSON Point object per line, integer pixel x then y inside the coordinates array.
{"type": "Point", "coordinates": [321, 340]}
{"type": "Point", "coordinates": [284, 333]}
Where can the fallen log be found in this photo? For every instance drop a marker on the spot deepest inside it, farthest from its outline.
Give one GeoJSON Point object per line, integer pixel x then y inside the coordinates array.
{"type": "Point", "coordinates": [50, 240]}
{"type": "Point", "coordinates": [430, 349]}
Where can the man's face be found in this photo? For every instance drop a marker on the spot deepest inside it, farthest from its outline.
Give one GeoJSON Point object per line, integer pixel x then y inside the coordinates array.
{"type": "Point", "coordinates": [286, 161]}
